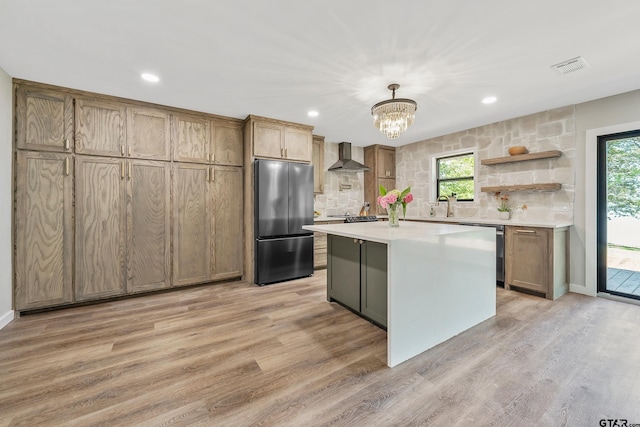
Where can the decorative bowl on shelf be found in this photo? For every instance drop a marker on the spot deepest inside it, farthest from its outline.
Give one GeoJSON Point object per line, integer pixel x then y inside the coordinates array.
{"type": "Point", "coordinates": [517, 149]}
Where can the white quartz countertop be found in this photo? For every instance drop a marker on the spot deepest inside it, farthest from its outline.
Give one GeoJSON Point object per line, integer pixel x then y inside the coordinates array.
{"type": "Point", "coordinates": [381, 232]}
{"type": "Point", "coordinates": [522, 222]}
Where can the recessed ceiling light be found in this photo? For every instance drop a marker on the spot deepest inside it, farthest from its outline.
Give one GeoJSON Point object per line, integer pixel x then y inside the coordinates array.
{"type": "Point", "coordinates": [312, 114]}
{"type": "Point", "coordinates": [150, 77]}
{"type": "Point", "coordinates": [489, 100]}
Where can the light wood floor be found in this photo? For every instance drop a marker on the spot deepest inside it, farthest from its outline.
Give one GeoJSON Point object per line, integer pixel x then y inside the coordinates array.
{"type": "Point", "coordinates": [240, 355]}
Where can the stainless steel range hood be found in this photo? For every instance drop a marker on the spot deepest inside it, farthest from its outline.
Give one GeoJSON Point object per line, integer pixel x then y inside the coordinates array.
{"type": "Point", "coordinates": [345, 162]}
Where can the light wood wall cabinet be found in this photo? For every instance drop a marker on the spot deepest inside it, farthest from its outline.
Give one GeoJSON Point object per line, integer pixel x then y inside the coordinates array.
{"type": "Point", "coordinates": [381, 160]}
{"type": "Point", "coordinates": [536, 260]}
{"type": "Point", "coordinates": [148, 225]}
{"type": "Point", "coordinates": [317, 160]}
{"type": "Point", "coordinates": [226, 207]}
{"type": "Point", "coordinates": [207, 223]}
{"type": "Point", "coordinates": [100, 227]}
{"type": "Point", "coordinates": [44, 120]}
{"type": "Point", "coordinates": [44, 230]}
{"type": "Point", "coordinates": [100, 128]}
{"type": "Point", "coordinates": [99, 184]}
{"type": "Point", "coordinates": [148, 134]}
{"type": "Point", "coordinates": [227, 143]}
{"type": "Point", "coordinates": [192, 226]}
{"type": "Point", "coordinates": [281, 140]}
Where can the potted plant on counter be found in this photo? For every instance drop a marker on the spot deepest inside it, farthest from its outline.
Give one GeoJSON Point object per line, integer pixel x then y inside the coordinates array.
{"type": "Point", "coordinates": [504, 210]}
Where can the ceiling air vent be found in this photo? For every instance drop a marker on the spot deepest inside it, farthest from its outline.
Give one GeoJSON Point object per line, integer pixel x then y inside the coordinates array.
{"type": "Point", "coordinates": [570, 65]}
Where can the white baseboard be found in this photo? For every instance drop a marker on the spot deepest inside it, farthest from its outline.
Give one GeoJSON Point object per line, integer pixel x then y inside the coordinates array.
{"type": "Point", "coordinates": [6, 318]}
{"type": "Point", "coordinates": [580, 290]}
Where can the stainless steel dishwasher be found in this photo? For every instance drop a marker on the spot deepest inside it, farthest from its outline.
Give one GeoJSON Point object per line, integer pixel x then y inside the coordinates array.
{"type": "Point", "coordinates": [499, 248]}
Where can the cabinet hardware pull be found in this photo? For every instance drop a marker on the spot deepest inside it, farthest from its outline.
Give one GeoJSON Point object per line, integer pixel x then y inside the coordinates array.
{"type": "Point", "coordinates": [208, 174]}
{"type": "Point", "coordinates": [286, 153]}
{"type": "Point", "coordinates": [129, 171]}
{"type": "Point", "coordinates": [213, 176]}
{"type": "Point", "coordinates": [66, 166]}
{"type": "Point", "coordinates": [129, 150]}
{"type": "Point", "coordinates": [355, 240]}
{"type": "Point", "coordinates": [281, 152]}
{"type": "Point", "coordinates": [122, 170]}
{"type": "Point", "coordinates": [526, 231]}
{"type": "Point", "coordinates": [209, 156]}
{"type": "Point", "coordinates": [66, 144]}
{"type": "Point", "coordinates": [122, 150]}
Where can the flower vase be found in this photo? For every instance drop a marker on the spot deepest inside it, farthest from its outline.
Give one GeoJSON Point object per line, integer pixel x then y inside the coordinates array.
{"type": "Point", "coordinates": [394, 220]}
{"type": "Point", "coordinates": [504, 215]}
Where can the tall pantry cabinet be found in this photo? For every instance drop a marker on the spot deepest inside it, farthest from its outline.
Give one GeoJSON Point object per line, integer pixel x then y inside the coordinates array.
{"type": "Point", "coordinates": [94, 197]}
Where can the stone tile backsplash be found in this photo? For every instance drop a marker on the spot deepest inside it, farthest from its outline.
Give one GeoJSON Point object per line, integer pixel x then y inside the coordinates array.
{"type": "Point", "coordinates": [548, 130]}
{"type": "Point", "coordinates": [343, 191]}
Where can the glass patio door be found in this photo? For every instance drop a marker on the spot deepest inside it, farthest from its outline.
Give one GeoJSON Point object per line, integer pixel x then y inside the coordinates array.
{"type": "Point", "coordinates": [619, 214]}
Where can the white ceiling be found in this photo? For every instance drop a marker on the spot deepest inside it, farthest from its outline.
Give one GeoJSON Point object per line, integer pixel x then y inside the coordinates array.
{"type": "Point", "coordinates": [282, 58]}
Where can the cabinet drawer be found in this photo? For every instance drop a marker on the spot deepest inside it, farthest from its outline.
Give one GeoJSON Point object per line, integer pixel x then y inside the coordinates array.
{"type": "Point", "coordinates": [319, 241]}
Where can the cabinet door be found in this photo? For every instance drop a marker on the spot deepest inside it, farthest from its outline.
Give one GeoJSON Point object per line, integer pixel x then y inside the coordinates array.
{"type": "Point", "coordinates": [43, 233]}
{"type": "Point", "coordinates": [317, 160]}
{"type": "Point", "coordinates": [386, 163]}
{"type": "Point", "coordinates": [529, 255]}
{"type": "Point", "coordinates": [148, 134]}
{"type": "Point", "coordinates": [227, 237]}
{"type": "Point", "coordinates": [44, 120]}
{"type": "Point", "coordinates": [192, 225]}
{"type": "Point", "coordinates": [268, 140]}
{"type": "Point", "coordinates": [343, 271]}
{"type": "Point", "coordinates": [297, 144]}
{"type": "Point", "coordinates": [100, 227]}
{"type": "Point", "coordinates": [148, 226]}
{"type": "Point", "coordinates": [100, 128]}
{"type": "Point", "coordinates": [191, 139]}
{"type": "Point", "coordinates": [373, 276]}
{"type": "Point", "coordinates": [227, 144]}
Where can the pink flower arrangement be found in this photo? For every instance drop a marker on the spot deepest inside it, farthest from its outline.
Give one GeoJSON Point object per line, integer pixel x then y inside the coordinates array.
{"type": "Point", "coordinates": [394, 198]}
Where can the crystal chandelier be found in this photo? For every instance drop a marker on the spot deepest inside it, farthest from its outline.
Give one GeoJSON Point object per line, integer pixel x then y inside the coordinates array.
{"type": "Point", "coordinates": [394, 116]}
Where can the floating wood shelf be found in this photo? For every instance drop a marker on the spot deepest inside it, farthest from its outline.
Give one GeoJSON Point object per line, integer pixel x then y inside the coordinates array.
{"type": "Point", "coordinates": [522, 157]}
{"type": "Point", "coordinates": [552, 186]}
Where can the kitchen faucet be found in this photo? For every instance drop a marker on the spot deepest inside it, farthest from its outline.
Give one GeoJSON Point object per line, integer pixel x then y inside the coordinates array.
{"type": "Point", "coordinates": [448, 200]}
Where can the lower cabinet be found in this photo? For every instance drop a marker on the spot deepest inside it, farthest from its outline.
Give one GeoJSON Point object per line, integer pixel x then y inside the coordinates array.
{"type": "Point", "coordinates": [122, 227]}
{"type": "Point", "coordinates": [320, 246]}
{"type": "Point", "coordinates": [43, 230]}
{"type": "Point", "coordinates": [207, 229]}
{"type": "Point", "coordinates": [536, 260]}
{"type": "Point", "coordinates": [357, 276]}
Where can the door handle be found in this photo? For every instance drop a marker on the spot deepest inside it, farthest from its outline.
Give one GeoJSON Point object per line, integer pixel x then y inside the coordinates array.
{"type": "Point", "coordinates": [122, 170]}
{"type": "Point", "coordinates": [129, 171]}
{"type": "Point", "coordinates": [129, 151]}
{"type": "Point", "coordinates": [66, 144]}
{"type": "Point", "coordinates": [526, 231]}
{"type": "Point", "coordinates": [66, 166]}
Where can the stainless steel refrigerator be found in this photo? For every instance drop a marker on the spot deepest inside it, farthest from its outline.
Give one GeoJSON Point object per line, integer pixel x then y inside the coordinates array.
{"type": "Point", "coordinates": [283, 204]}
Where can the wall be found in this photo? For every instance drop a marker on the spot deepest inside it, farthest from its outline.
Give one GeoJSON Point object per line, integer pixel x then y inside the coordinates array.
{"type": "Point", "coordinates": [548, 130]}
{"type": "Point", "coordinates": [338, 198]}
{"type": "Point", "coordinates": [6, 270]}
{"type": "Point", "coordinates": [604, 116]}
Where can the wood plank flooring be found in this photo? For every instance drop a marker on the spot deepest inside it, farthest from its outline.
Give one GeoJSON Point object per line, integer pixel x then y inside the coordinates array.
{"type": "Point", "coordinates": [240, 355]}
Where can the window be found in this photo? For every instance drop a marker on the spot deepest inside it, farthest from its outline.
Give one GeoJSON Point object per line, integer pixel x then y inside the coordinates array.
{"type": "Point", "coordinates": [455, 175]}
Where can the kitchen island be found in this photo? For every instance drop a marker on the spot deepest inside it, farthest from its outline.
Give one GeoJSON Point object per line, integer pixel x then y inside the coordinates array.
{"type": "Point", "coordinates": [440, 280]}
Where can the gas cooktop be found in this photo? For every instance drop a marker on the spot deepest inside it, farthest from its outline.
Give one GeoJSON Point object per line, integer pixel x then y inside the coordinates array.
{"type": "Point", "coordinates": [368, 218]}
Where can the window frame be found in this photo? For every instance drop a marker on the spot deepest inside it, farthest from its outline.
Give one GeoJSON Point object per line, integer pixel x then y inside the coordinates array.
{"type": "Point", "coordinates": [436, 172]}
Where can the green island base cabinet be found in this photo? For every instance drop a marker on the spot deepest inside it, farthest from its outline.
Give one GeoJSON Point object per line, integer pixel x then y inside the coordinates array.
{"type": "Point", "coordinates": [357, 276]}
